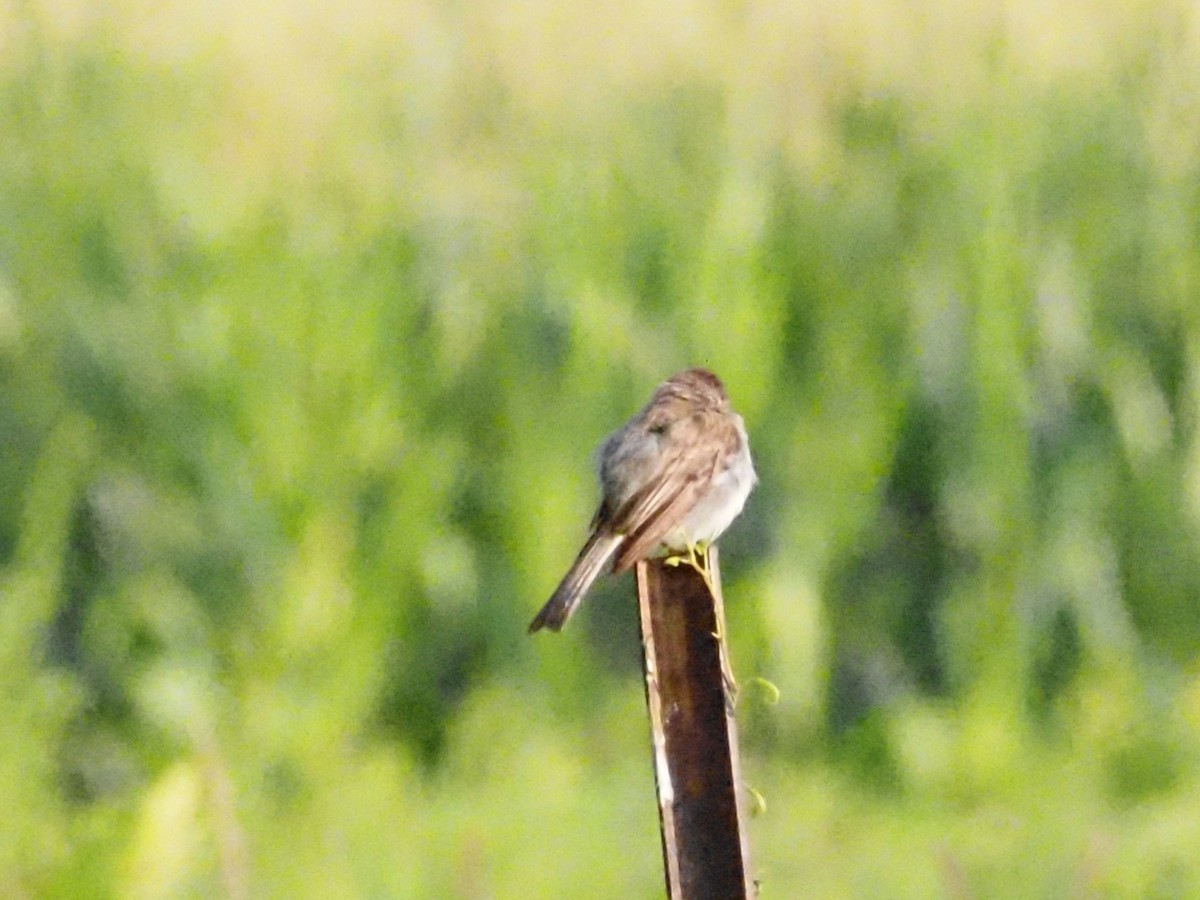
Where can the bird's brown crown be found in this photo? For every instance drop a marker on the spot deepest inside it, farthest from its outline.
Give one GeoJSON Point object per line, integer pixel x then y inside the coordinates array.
{"type": "Point", "coordinates": [696, 385]}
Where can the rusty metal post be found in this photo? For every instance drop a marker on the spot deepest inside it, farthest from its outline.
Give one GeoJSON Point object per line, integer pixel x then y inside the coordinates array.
{"type": "Point", "coordinates": [696, 765]}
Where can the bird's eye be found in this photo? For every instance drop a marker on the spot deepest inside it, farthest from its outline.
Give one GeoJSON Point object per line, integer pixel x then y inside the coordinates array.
{"type": "Point", "coordinates": [660, 428]}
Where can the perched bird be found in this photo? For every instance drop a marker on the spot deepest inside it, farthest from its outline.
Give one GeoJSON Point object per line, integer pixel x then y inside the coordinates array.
{"type": "Point", "coordinates": [675, 476]}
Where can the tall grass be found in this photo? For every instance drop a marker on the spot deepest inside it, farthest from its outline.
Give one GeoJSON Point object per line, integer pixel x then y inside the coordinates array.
{"type": "Point", "coordinates": [310, 316]}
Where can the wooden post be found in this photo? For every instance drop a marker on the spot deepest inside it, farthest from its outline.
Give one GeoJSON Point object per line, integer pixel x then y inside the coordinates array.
{"type": "Point", "coordinates": [696, 765]}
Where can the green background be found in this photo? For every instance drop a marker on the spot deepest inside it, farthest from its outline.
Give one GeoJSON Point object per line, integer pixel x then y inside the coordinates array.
{"type": "Point", "coordinates": [311, 315]}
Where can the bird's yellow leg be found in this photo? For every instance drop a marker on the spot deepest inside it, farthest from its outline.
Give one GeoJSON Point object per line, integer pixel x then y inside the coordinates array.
{"type": "Point", "coordinates": [701, 564]}
{"type": "Point", "coordinates": [697, 558]}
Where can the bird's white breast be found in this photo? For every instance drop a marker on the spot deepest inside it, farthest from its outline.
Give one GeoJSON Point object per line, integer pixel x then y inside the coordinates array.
{"type": "Point", "coordinates": [714, 512]}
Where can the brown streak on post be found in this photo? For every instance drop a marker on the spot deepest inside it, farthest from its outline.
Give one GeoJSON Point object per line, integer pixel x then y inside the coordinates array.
{"type": "Point", "coordinates": [696, 765]}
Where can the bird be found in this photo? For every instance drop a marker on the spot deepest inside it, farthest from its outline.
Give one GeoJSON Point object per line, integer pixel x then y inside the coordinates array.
{"type": "Point", "coordinates": [672, 478]}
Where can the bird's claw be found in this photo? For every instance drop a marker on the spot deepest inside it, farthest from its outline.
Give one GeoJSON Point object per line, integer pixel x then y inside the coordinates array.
{"type": "Point", "coordinates": [697, 558]}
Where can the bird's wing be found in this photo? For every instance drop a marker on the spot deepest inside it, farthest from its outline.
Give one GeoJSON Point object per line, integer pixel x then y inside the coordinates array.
{"type": "Point", "coordinates": [647, 517]}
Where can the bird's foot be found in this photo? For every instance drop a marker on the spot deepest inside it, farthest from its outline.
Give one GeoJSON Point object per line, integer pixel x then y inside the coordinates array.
{"type": "Point", "coordinates": [697, 558]}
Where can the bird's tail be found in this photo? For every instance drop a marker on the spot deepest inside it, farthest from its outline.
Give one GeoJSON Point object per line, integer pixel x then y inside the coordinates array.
{"type": "Point", "coordinates": [575, 584]}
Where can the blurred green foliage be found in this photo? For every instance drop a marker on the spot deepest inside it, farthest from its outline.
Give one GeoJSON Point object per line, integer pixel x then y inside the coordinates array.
{"type": "Point", "coordinates": [310, 316]}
